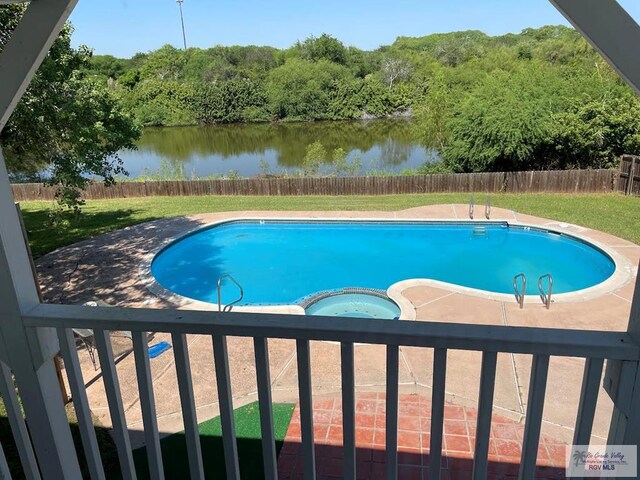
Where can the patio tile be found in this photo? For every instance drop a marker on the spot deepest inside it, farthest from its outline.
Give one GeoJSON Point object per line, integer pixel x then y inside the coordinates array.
{"type": "Point", "coordinates": [409, 439]}
{"type": "Point", "coordinates": [504, 450]}
{"type": "Point", "coordinates": [508, 448]}
{"type": "Point", "coordinates": [457, 443]}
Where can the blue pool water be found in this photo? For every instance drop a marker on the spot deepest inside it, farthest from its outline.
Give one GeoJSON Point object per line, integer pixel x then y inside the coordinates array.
{"type": "Point", "coordinates": [283, 262]}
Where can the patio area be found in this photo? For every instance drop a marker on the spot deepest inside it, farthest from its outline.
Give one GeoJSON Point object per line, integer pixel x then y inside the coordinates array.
{"type": "Point", "coordinates": [106, 268]}
{"type": "Point", "coordinates": [413, 442]}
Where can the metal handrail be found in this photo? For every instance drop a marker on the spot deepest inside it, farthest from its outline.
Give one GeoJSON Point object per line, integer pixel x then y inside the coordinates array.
{"type": "Point", "coordinates": [487, 208]}
{"type": "Point", "coordinates": [471, 207]}
{"type": "Point", "coordinates": [229, 305]}
{"type": "Point", "coordinates": [520, 294]}
{"type": "Point", "coordinates": [546, 297]}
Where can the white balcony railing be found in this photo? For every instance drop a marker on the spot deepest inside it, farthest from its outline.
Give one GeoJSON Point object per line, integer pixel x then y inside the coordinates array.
{"type": "Point", "coordinates": [595, 347]}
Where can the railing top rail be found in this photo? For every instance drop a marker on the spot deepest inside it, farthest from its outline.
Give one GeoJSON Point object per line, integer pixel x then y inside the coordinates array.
{"type": "Point", "coordinates": [498, 338]}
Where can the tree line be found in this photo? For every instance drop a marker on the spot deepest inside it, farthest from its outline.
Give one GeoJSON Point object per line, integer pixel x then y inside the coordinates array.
{"type": "Point", "coordinates": [540, 99]}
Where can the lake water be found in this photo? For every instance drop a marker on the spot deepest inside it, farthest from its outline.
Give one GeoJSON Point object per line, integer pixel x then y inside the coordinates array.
{"type": "Point", "coordinates": [256, 149]}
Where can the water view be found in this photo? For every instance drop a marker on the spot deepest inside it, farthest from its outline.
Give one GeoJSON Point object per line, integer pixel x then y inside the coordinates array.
{"type": "Point", "coordinates": [258, 149]}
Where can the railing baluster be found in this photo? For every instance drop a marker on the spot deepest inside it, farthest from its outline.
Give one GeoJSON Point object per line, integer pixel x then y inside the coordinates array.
{"type": "Point", "coordinates": [16, 421]}
{"type": "Point", "coordinates": [437, 412]}
{"type": "Point", "coordinates": [147, 403]}
{"type": "Point", "coordinates": [588, 400]}
{"type": "Point", "coordinates": [348, 410]}
{"type": "Point", "coordinates": [225, 399]}
{"type": "Point", "coordinates": [306, 408]}
{"type": "Point", "coordinates": [81, 403]}
{"type": "Point", "coordinates": [112, 389]}
{"type": "Point", "coordinates": [392, 411]}
{"type": "Point", "coordinates": [185, 385]}
{"type": "Point", "coordinates": [533, 422]}
{"type": "Point", "coordinates": [261, 350]}
{"type": "Point", "coordinates": [485, 405]}
{"type": "Point", "coordinates": [5, 473]}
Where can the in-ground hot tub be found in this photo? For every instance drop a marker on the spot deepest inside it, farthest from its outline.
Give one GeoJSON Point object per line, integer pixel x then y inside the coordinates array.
{"type": "Point", "coordinates": [280, 262]}
{"type": "Point", "coordinates": [354, 303]}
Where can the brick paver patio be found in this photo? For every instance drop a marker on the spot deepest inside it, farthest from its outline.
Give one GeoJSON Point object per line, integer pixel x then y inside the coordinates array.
{"type": "Point", "coordinates": [414, 428]}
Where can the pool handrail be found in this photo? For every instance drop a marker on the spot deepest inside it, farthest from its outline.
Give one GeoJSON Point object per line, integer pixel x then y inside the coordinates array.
{"type": "Point", "coordinates": [487, 208]}
{"type": "Point", "coordinates": [471, 207]}
{"type": "Point", "coordinates": [229, 305]}
{"type": "Point", "coordinates": [545, 297]}
{"type": "Point", "coordinates": [520, 294]}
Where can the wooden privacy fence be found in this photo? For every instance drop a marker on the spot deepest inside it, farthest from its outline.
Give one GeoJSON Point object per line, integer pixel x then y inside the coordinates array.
{"type": "Point", "coordinates": [561, 181]}
{"type": "Point", "coordinates": [629, 175]}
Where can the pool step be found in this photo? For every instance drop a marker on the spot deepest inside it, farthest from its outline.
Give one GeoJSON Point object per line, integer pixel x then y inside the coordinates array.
{"type": "Point", "coordinates": [479, 231]}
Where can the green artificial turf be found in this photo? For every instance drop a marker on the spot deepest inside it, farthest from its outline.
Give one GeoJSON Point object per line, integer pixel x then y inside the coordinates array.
{"type": "Point", "coordinates": [612, 213]}
{"type": "Point", "coordinates": [247, 420]}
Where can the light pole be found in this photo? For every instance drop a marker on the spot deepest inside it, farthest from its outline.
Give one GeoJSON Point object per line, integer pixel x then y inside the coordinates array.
{"type": "Point", "coordinates": [184, 36]}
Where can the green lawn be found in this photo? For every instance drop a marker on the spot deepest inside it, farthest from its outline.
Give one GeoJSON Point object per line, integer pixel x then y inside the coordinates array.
{"type": "Point", "coordinates": [611, 213]}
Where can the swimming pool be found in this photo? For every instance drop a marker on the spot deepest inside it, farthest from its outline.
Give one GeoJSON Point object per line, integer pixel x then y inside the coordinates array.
{"type": "Point", "coordinates": [281, 262]}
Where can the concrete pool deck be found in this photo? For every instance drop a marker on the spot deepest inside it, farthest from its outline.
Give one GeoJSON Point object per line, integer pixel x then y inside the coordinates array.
{"type": "Point", "coordinates": [106, 268]}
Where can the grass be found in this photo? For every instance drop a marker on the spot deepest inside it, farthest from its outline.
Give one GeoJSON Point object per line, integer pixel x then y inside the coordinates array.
{"type": "Point", "coordinates": [612, 213]}
{"type": "Point", "coordinates": [247, 420]}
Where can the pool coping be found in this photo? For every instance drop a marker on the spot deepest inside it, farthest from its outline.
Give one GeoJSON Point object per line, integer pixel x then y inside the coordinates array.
{"type": "Point", "coordinates": [623, 273]}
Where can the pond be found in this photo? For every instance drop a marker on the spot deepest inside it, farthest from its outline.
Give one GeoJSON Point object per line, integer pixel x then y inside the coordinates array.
{"type": "Point", "coordinates": [257, 149]}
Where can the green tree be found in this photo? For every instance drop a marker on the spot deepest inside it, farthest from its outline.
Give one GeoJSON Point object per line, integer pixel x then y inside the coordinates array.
{"type": "Point", "coordinates": [324, 47]}
{"type": "Point", "coordinates": [593, 134]}
{"type": "Point", "coordinates": [69, 124]}
{"type": "Point", "coordinates": [434, 113]}
{"type": "Point", "coordinates": [166, 63]}
{"type": "Point", "coordinates": [302, 90]}
{"type": "Point", "coordinates": [503, 124]}
{"type": "Point", "coordinates": [107, 66]}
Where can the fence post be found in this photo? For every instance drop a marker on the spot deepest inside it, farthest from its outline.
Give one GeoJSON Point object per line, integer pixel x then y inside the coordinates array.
{"type": "Point", "coordinates": [629, 189]}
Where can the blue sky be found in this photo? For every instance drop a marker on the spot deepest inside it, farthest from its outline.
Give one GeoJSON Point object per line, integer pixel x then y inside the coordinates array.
{"type": "Point", "coordinates": [124, 27]}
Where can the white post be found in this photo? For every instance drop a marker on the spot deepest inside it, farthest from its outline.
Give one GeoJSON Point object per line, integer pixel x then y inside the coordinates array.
{"type": "Point", "coordinates": [622, 382]}
{"type": "Point", "coordinates": [615, 35]}
{"type": "Point", "coordinates": [35, 373]}
{"type": "Point", "coordinates": [27, 47]}
{"type": "Point", "coordinates": [610, 30]}
{"type": "Point", "coordinates": [29, 351]}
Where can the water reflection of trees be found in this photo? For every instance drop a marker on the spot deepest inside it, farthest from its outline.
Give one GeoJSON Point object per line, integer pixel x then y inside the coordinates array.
{"type": "Point", "coordinates": [289, 140]}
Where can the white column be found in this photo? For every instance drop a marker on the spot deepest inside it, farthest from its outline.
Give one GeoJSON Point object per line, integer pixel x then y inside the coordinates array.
{"type": "Point", "coordinates": [27, 351]}
{"type": "Point", "coordinates": [616, 36]}
{"type": "Point", "coordinates": [610, 30]}
{"type": "Point", "coordinates": [35, 374]}
{"type": "Point", "coordinates": [27, 47]}
{"type": "Point", "coordinates": [622, 381]}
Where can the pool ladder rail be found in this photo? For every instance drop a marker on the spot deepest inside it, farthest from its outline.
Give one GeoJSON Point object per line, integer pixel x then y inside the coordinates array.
{"type": "Point", "coordinates": [546, 296]}
{"type": "Point", "coordinates": [487, 207]}
{"type": "Point", "coordinates": [227, 307]}
{"type": "Point", "coordinates": [520, 293]}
